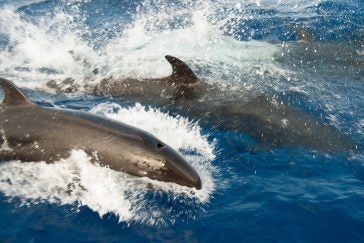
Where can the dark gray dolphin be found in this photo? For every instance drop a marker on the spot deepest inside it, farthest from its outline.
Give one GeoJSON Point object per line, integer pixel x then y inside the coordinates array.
{"type": "Point", "coordinates": [33, 133]}
{"type": "Point", "coordinates": [182, 83]}
{"type": "Point", "coordinates": [268, 118]}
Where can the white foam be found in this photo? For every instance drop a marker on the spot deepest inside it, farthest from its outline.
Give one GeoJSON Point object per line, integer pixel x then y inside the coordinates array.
{"type": "Point", "coordinates": [78, 182]}
{"type": "Point", "coordinates": [140, 49]}
{"type": "Point", "coordinates": [299, 89]}
{"type": "Point", "coordinates": [280, 5]}
{"type": "Point", "coordinates": [40, 50]}
{"type": "Point", "coordinates": [156, 122]}
{"type": "Point", "coordinates": [36, 47]}
{"type": "Point", "coordinates": [5, 145]}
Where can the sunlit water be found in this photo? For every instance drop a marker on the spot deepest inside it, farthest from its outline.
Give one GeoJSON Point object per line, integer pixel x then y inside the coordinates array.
{"type": "Point", "coordinates": [312, 51]}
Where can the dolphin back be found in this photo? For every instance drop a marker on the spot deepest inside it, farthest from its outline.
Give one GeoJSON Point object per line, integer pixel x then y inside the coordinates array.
{"type": "Point", "coordinates": [181, 72]}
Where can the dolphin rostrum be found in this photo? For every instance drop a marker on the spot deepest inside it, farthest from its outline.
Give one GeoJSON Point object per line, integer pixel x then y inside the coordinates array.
{"type": "Point", "coordinates": [33, 133]}
{"type": "Point", "coordinates": [267, 118]}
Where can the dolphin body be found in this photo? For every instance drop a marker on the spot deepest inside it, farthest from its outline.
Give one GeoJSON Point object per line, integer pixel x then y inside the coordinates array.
{"type": "Point", "coordinates": [29, 132]}
{"type": "Point", "coordinates": [266, 118]}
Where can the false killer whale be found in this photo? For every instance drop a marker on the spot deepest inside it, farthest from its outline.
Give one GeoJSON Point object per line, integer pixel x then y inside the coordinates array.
{"type": "Point", "coordinates": [267, 118]}
{"type": "Point", "coordinates": [33, 133]}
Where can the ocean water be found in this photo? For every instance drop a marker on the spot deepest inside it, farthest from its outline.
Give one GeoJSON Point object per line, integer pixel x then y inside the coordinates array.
{"type": "Point", "coordinates": [312, 51]}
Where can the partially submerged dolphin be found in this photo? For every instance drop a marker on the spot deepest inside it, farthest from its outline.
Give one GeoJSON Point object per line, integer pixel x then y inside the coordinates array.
{"type": "Point", "coordinates": [33, 133]}
{"type": "Point", "coordinates": [181, 84]}
{"type": "Point", "coordinates": [265, 117]}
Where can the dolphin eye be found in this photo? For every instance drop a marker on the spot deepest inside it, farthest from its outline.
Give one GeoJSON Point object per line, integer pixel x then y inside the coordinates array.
{"type": "Point", "coordinates": [160, 145]}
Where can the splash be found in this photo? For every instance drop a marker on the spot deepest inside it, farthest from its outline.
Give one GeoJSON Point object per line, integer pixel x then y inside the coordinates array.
{"type": "Point", "coordinates": [161, 124]}
{"type": "Point", "coordinates": [60, 45]}
{"type": "Point", "coordinates": [42, 50]}
{"type": "Point", "coordinates": [215, 38]}
{"type": "Point", "coordinates": [78, 182]}
{"type": "Point", "coordinates": [4, 142]}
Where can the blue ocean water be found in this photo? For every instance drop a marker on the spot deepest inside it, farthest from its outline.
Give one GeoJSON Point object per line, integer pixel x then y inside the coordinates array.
{"type": "Point", "coordinates": [280, 194]}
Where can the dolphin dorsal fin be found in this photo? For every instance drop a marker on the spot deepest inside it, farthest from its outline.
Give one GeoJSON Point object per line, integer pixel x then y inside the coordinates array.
{"type": "Point", "coordinates": [181, 72]}
{"type": "Point", "coordinates": [13, 96]}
